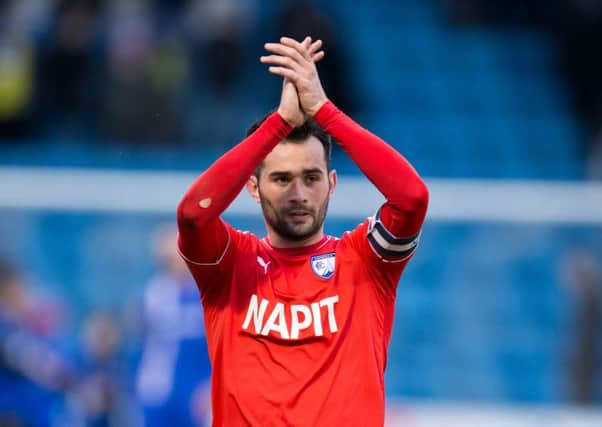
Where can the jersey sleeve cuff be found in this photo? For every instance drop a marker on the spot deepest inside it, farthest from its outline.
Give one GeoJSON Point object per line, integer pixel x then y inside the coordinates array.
{"type": "Point", "coordinates": [276, 124]}
{"type": "Point", "coordinates": [326, 114]}
{"type": "Point", "coordinates": [198, 263]}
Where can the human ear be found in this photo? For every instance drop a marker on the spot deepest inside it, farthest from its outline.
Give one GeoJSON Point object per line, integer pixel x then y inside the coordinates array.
{"type": "Point", "coordinates": [253, 188]}
{"type": "Point", "coordinates": [332, 180]}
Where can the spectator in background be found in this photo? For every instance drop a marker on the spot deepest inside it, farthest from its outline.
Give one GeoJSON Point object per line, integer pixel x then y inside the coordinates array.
{"type": "Point", "coordinates": [168, 78]}
{"type": "Point", "coordinates": [101, 396]}
{"type": "Point", "coordinates": [128, 98]}
{"type": "Point", "coordinates": [172, 379]}
{"type": "Point", "coordinates": [69, 70]}
{"type": "Point", "coordinates": [147, 76]}
{"type": "Point", "coordinates": [31, 367]}
{"type": "Point", "coordinates": [299, 18]}
{"type": "Point", "coordinates": [219, 32]}
{"type": "Point", "coordinates": [16, 74]}
{"type": "Point", "coordinates": [219, 28]}
{"type": "Point", "coordinates": [47, 386]}
{"type": "Point", "coordinates": [22, 307]}
{"type": "Point", "coordinates": [585, 280]}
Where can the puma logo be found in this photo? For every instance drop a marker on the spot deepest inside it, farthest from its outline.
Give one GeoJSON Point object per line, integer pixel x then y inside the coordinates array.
{"type": "Point", "coordinates": [262, 263]}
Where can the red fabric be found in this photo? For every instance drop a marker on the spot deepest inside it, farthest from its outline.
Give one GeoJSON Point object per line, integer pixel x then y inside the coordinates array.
{"type": "Point", "coordinates": [330, 371]}
{"type": "Point", "coordinates": [290, 343]}
{"type": "Point", "coordinates": [202, 236]}
{"type": "Point", "coordinates": [389, 171]}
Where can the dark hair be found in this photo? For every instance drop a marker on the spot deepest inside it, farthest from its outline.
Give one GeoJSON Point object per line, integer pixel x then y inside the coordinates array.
{"type": "Point", "coordinates": [299, 135]}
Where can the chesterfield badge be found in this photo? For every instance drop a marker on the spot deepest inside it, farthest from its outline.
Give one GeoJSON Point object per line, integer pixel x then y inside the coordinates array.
{"type": "Point", "coordinates": [323, 265]}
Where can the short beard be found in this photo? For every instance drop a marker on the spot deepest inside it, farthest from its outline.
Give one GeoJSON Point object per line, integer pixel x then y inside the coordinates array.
{"type": "Point", "coordinates": [282, 227]}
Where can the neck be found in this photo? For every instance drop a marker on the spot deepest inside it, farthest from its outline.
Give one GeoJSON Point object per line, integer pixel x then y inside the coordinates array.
{"type": "Point", "coordinates": [278, 241]}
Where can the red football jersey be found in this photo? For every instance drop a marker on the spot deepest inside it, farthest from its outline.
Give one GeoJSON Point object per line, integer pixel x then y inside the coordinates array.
{"type": "Point", "coordinates": [299, 336]}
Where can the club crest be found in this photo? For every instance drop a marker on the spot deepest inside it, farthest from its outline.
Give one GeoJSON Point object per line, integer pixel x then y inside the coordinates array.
{"type": "Point", "coordinates": [323, 265]}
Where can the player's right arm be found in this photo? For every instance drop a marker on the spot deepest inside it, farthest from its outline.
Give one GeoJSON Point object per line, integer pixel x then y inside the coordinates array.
{"type": "Point", "coordinates": [203, 236]}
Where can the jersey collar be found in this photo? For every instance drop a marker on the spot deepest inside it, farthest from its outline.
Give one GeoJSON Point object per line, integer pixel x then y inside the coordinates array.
{"type": "Point", "coordinates": [302, 250]}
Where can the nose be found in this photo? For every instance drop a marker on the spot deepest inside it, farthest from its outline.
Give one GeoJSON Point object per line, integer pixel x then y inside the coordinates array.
{"type": "Point", "coordinates": [297, 193]}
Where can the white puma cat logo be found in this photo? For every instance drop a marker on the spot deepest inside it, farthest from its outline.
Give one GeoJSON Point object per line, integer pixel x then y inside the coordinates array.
{"type": "Point", "coordinates": [262, 263]}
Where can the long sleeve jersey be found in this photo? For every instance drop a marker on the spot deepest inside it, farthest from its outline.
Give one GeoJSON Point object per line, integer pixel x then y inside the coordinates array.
{"type": "Point", "coordinates": [299, 336]}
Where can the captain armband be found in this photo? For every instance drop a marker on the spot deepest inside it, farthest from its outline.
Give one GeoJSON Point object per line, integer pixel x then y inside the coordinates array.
{"type": "Point", "coordinates": [387, 245]}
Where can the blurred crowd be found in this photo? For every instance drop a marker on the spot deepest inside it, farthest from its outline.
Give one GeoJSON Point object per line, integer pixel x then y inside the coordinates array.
{"type": "Point", "coordinates": [144, 71]}
{"type": "Point", "coordinates": [184, 71]}
{"type": "Point", "coordinates": [112, 369]}
{"type": "Point", "coordinates": [112, 69]}
{"type": "Point", "coordinates": [149, 366]}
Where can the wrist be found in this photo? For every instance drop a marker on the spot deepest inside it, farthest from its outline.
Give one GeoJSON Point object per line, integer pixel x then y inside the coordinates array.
{"type": "Point", "coordinates": [286, 119]}
{"type": "Point", "coordinates": [275, 124]}
{"type": "Point", "coordinates": [327, 112]}
{"type": "Point", "coordinates": [315, 108]}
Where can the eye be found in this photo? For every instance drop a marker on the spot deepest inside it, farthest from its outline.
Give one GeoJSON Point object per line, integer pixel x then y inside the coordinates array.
{"type": "Point", "coordinates": [312, 178]}
{"type": "Point", "coordinates": [282, 179]}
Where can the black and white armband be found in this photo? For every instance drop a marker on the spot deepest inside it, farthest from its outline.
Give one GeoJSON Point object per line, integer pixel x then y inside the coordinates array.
{"type": "Point", "coordinates": [385, 244]}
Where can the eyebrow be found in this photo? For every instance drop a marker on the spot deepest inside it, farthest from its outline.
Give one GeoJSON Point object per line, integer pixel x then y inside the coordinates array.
{"type": "Point", "coordinates": [304, 172]}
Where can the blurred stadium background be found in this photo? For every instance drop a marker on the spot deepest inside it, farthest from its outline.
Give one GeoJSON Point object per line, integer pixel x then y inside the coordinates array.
{"type": "Point", "coordinates": [110, 108]}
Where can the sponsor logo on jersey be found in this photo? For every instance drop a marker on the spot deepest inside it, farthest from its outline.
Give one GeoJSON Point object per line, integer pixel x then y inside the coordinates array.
{"type": "Point", "coordinates": [323, 265]}
{"type": "Point", "coordinates": [289, 320]}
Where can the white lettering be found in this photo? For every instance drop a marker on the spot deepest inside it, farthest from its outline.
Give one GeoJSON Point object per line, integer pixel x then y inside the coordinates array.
{"type": "Point", "coordinates": [271, 325]}
{"type": "Point", "coordinates": [329, 303]}
{"type": "Point", "coordinates": [256, 313]}
{"type": "Point", "coordinates": [315, 309]}
{"type": "Point", "coordinates": [296, 323]}
{"type": "Point", "coordinates": [302, 317]}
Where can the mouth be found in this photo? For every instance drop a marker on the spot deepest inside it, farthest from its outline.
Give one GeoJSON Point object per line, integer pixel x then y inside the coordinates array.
{"type": "Point", "coordinates": [298, 215]}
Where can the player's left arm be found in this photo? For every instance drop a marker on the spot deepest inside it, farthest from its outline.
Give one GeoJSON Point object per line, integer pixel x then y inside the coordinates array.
{"type": "Point", "coordinates": [394, 230]}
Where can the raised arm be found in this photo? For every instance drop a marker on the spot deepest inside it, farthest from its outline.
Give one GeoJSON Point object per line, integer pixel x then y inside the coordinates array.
{"type": "Point", "coordinates": [388, 170]}
{"type": "Point", "coordinates": [203, 236]}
